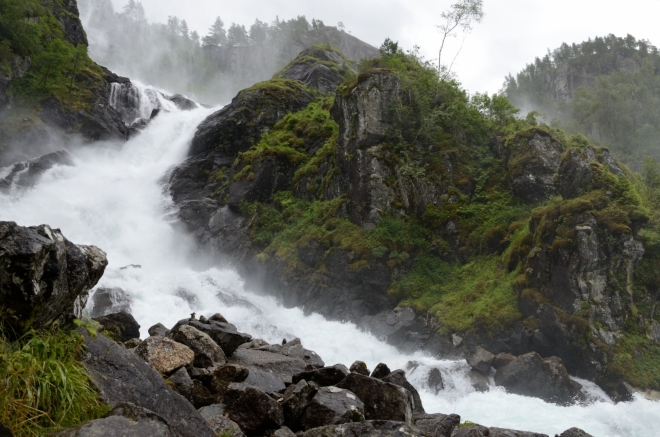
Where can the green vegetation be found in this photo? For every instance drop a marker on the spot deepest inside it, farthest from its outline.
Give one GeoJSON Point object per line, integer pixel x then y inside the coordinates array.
{"type": "Point", "coordinates": [637, 360]}
{"type": "Point", "coordinates": [43, 388]}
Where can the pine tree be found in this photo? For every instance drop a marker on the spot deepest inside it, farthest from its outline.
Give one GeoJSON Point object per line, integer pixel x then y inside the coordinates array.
{"type": "Point", "coordinates": [183, 29]}
{"type": "Point", "coordinates": [217, 34]}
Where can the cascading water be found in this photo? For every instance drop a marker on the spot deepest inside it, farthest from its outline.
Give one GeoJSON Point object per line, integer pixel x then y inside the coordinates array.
{"type": "Point", "coordinates": [113, 198]}
{"type": "Point", "coordinates": [135, 101]}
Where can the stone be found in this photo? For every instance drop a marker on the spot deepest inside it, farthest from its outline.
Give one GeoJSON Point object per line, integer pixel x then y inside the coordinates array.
{"type": "Point", "coordinates": [5, 432]}
{"type": "Point", "coordinates": [360, 367]}
{"type": "Point", "coordinates": [480, 360]}
{"type": "Point", "coordinates": [332, 406]}
{"type": "Point", "coordinates": [121, 326]}
{"type": "Point", "coordinates": [181, 382]}
{"type": "Point", "coordinates": [502, 360]}
{"type": "Point", "coordinates": [214, 416]}
{"type": "Point", "coordinates": [106, 301]}
{"type": "Point", "coordinates": [224, 334]}
{"type": "Point", "coordinates": [574, 432]}
{"type": "Point", "coordinates": [370, 428]}
{"type": "Point", "coordinates": [44, 278]}
{"type": "Point", "coordinates": [201, 396]}
{"type": "Point", "coordinates": [434, 380]}
{"type": "Point", "coordinates": [480, 382]}
{"type": "Point", "coordinates": [437, 425]}
{"type": "Point", "coordinates": [310, 67]}
{"type": "Point", "coordinates": [124, 420]}
{"type": "Point", "coordinates": [389, 323]}
{"type": "Point", "coordinates": [531, 375]}
{"type": "Point", "coordinates": [324, 376]}
{"type": "Point", "coordinates": [182, 102]}
{"type": "Point", "coordinates": [158, 330]}
{"type": "Point", "coordinates": [132, 343]}
{"type": "Point", "coordinates": [252, 409]}
{"type": "Point", "coordinates": [398, 377]}
{"type": "Point", "coordinates": [500, 432]}
{"type": "Point", "coordinates": [121, 376]}
{"type": "Point", "coordinates": [294, 349]}
{"type": "Point", "coordinates": [281, 366]}
{"type": "Point", "coordinates": [165, 355]}
{"type": "Point", "coordinates": [207, 352]}
{"type": "Point", "coordinates": [284, 432]}
{"type": "Point", "coordinates": [471, 431]}
{"type": "Point", "coordinates": [382, 400]}
{"type": "Point", "coordinates": [295, 400]}
{"type": "Point", "coordinates": [27, 174]}
{"type": "Point", "coordinates": [456, 340]}
{"type": "Point", "coordinates": [380, 371]}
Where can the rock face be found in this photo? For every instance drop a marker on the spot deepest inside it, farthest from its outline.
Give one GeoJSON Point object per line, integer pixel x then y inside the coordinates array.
{"type": "Point", "coordinates": [575, 174]}
{"type": "Point", "coordinates": [121, 326]}
{"type": "Point", "coordinates": [44, 278]}
{"type": "Point", "coordinates": [311, 68]}
{"type": "Point", "coordinates": [122, 376]}
{"type": "Point", "coordinates": [332, 406]}
{"type": "Point", "coordinates": [531, 375]}
{"type": "Point", "coordinates": [27, 174]}
{"type": "Point", "coordinates": [382, 400]}
{"type": "Point", "coordinates": [165, 355]}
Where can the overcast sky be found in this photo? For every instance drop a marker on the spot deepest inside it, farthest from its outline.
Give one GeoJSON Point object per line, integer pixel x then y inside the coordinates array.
{"type": "Point", "coordinates": [512, 34]}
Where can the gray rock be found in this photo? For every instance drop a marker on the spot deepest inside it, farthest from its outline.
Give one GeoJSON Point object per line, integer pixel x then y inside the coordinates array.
{"type": "Point", "coordinates": [480, 360]}
{"type": "Point", "coordinates": [158, 330]}
{"type": "Point", "coordinates": [502, 360]}
{"type": "Point", "coordinates": [44, 278]}
{"type": "Point", "coordinates": [121, 326]}
{"type": "Point", "coordinates": [125, 420]}
{"type": "Point", "coordinates": [437, 425]}
{"type": "Point", "coordinates": [398, 377]}
{"type": "Point", "coordinates": [280, 365]}
{"type": "Point", "coordinates": [471, 431]}
{"type": "Point", "coordinates": [214, 416]}
{"type": "Point", "coordinates": [27, 174]}
{"type": "Point", "coordinates": [434, 380]}
{"type": "Point", "coordinates": [500, 432]}
{"type": "Point", "coordinates": [360, 367]}
{"type": "Point", "coordinates": [224, 334]}
{"type": "Point", "coordinates": [295, 400]}
{"type": "Point", "coordinates": [182, 383]}
{"type": "Point", "coordinates": [382, 400]}
{"type": "Point", "coordinates": [182, 102]}
{"type": "Point", "coordinates": [217, 379]}
{"type": "Point", "coordinates": [480, 382]}
{"type": "Point", "coordinates": [284, 432]}
{"type": "Point", "coordinates": [574, 432]}
{"type": "Point", "coordinates": [380, 371]}
{"type": "Point", "coordinates": [121, 376]}
{"type": "Point", "coordinates": [207, 352]}
{"type": "Point", "coordinates": [332, 406]}
{"type": "Point", "coordinates": [531, 375]}
{"type": "Point", "coordinates": [201, 396]}
{"type": "Point", "coordinates": [106, 301]}
{"type": "Point", "coordinates": [164, 354]}
{"type": "Point", "coordinates": [370, 428]}
{"type": "Point", "coordinates": [389, 322]}
{"type": "Point", "coordinates": [294, 349]}
{"type": "Point", "coordinates": [252, 409]}
{"type": "Point", "coordinates": [324, 376]}
{"type": "Point", "coordinates": [456, 340]}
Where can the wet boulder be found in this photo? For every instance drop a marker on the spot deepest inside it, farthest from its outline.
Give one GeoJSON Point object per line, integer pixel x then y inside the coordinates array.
{"type": "Point", "coordinates": [224, 334]}
{"type": "Point", "coordinates": [281, 366]}
{"type": "Point", "coordinates": [332, 406]}
{"type": "Point", "coordinates": [437, 425]}
{"type": "Point", "coordinates": [502, 360]}
{"type": "Point", "coordinates": [106, 301]}
{"type": "Point", "coordinates": [324, 376]}
{"type": "Point", "coordinates": [480, 360]}
{"type": "Point", "coordinates": [295, 349]}
{"type": "Point", "coordinates": [398, 377]}
{"type": "Point", "coordinates": [574, 432]}
{"type": "Point", "coordinates": [360, 367]}
{"type": "Point", "coordinates": [119, 375]}
{"type": "Point", "coordinates": [165, 355]}
{"type": "Point", "coordinates": [215, 418]}
{"type": "Point", "coordinates": [370, 428]}
{"type": "Point", "coordinates": [381, 371]}
{"type": "Point", "coordinates": [471, 431]}
{"type": "Point", "coordinates": [121, 326]}
{"type": "Point", "coordinates": [182, 102]}
{"type": "Point", "coordinates": [382, 400]}
{"type": "Point", "coordinates": [501, 432]}
{"type": "Point", "coordinates": [434, 380]}
{"type": "Point", "coordinates": [181, 382]}
{"type": "Point", "coordinates": [158, 330]}
{"type": "Point", "coordinates": [252, 409]}
{"type": "Point", "coordinates": [479, 381]}
{"type": "Point", "coordinates": [27, 174]}
{"type": "Point", "coordinates": [124, 417]}
{"type": "Point", "coordinates": [44, 278]}
{"type": "Point", "coordinates": [295, 400]}
{"type": "Point", "coordinates": [531, 375]}
{"type": "Point", "coordinates": [207, 352]}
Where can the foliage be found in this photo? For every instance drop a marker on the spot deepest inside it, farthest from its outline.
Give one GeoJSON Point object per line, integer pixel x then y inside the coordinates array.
{"type": "Point", "coordinates": [42, 386]}
{"type": "Point", "coordinates": [637, 360]}
{"type": "Point", "coordinates": [462, 14]}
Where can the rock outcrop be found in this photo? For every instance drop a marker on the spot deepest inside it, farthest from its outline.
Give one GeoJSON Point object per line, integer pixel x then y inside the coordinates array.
{"type": "Point", "coordinates": [27, 174]}
{"type": "Point", "coordinates": [44, 278]}
{"type": "Point", "coordinates": [122, 326]}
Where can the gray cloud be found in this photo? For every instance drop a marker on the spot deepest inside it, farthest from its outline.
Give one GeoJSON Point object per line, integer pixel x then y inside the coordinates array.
{"type": "Point", "coordinates": [512, 34]}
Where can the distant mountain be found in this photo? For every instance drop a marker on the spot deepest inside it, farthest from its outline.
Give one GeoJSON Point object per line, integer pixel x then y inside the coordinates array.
{"type": "Point", "coordinates": [607, 88]}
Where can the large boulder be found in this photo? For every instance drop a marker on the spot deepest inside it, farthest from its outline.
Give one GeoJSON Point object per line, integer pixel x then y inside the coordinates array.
{"type": "Point", "coordinates": [382, 400]}
{"type": "Point", "coordinates": [125, 420]}
{"type": "Point", "coordinates": [252, 409]}
{"type": "Point", "coordinates": [164, 354]}
{"type": "Point", "coordinates": [27, 174]}
{"type": "Point", "coordinates": [120, 376]}
{"type": "Point", "coordinates": [295, 349]}
{"type": "Point", "coordinates": [106, 301]}
{"type": "Point", "coordinates": [224, 334]}
{"type": "Point", "coordinates": [295, 400]}
{"type": "Point", "coordinates": [398, 377]}
{"type": "Point", "coordinates": [215, 418]}
{"type": "Point", "coordinates": [370, 428]}
{"type": "Point", "coordinates": [324, 376]}
{"type": "Point", "coordinates": [281, 366]}
{"type": "Point", "coordinates": [531, 375]}
{"type": "Point", "coordinates": [181, 382]}
{"type": "Point", "coordinates": [501, 432]}
{"type": "Point", "coordinates": [217, 379]}
{"type": "Point", "coordinates": [207, 352]}
{"type": "Point", "coordinates": [44, 278]}
{"type": "Point", "coordinates": [332, 406]}
{"type": "Point", "coordinates": [437, 425]}
{"type": "Point", "coordinates": [121, 326]}
{"type": "Point", "coordinates": [480, 360]}
{"type": "Point", "coordinates": [574, 432]}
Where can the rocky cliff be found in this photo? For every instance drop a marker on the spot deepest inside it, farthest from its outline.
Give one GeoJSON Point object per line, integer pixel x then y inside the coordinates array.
{"type": "Point", "coordinates": [354, 204]}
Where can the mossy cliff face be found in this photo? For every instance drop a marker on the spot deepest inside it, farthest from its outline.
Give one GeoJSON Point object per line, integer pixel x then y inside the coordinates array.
{"type": "Point", "coordinates": [401, 191]}
{"type": "Point", "coordinates": [49, 87]}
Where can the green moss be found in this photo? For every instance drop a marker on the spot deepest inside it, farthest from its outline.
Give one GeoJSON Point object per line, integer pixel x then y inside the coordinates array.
{"type": "Point", "coordinates": [637, 360]}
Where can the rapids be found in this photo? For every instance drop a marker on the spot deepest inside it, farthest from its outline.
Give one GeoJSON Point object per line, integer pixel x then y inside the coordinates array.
{"type": "Point", "coordinates": [115, 198]}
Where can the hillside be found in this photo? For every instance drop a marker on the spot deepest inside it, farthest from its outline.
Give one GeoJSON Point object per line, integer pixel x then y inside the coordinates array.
{"type": "Point", "coordinates": [606, 88]}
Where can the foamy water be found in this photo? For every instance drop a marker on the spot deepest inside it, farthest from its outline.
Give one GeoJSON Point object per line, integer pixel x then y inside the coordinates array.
{"type": "Point", "coordinates": [114, 198]}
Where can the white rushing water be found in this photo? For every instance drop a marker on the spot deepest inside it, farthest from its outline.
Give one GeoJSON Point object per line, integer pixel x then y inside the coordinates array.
{"type": "Point", "coordinates": [113, 198]}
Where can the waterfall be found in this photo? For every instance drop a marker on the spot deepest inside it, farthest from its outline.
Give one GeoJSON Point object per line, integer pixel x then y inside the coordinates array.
{"type": "Point", "coordinates": [113, 197]}
{"type": "Point", "coordinates": [135, 101]}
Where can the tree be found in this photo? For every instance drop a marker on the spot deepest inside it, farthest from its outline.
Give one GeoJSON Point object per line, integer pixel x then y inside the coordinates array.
{"type": "Point", "coordinates": [389, 47]}
{"type": "Point", "coordinates": [237, 35]}
{"type": "Point", "coordinates": [341, 26]}
{"type": "Point", "coordinates": [135, 11]}
{"type": "Point", "coordinates": [217, 34]}
{"type": "Point", "coordinates": [194, 37]}
{"type": "Point", "coordinates": [78, 58]}
{"type": "Point", "coordinates": [258, 32]}
{"type": "Point", "coordinates": [173, 25]}
{"type": "Point", "coordinates": [183, 29]}
{"type": "Point", "coordinates": [461, 15]}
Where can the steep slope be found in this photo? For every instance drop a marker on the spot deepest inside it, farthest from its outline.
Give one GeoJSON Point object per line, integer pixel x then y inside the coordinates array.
{"type": "Point", "coordinates": [48, 84]}
{"type": "Point", "coordinates": [436, 220]}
